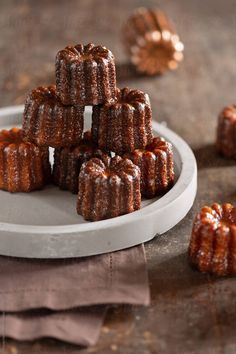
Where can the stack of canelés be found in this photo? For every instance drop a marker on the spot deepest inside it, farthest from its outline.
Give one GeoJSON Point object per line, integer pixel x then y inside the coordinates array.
{"type": "Point", "coordinates": [110, 167]}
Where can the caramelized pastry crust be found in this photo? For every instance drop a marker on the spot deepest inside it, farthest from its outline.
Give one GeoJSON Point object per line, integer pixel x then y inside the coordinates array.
{"type": "Point", "coordinates": [213, 243]}
{"type": "Point", "coordinates": [151, 42]}
{"type": "Point", "coordinates": [226, 132]}
{"type": "Point", "coordinates": [23, 166]}
{"type": "Point", "coordinates": [107, 188]}
{"type": "Point", "coordinates": [68, 161]}
{"type": "Point", "coordinates": [125, 125]}
{"type": "Point", "coordinates": [47, 122]}
{"type": "Point", "coordinates": [156, 165]}
{"type": "Point", "coordinates": [85, 75]}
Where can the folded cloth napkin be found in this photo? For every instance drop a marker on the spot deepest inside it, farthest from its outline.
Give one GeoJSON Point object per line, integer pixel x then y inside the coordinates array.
{"type": "Point", "coordinates": [63, 285]}
{"type": "Point", "coordinates": [77, 326]}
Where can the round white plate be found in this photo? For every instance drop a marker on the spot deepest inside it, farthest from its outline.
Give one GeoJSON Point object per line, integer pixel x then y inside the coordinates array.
{"type": "Point", "coordinates": [44, 224]}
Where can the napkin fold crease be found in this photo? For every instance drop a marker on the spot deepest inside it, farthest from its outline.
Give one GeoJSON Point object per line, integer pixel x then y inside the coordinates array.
{"type": "Point", "coordinates": [69, 290]}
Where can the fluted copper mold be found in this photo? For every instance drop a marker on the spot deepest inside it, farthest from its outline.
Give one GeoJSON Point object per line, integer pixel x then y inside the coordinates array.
{"type": "Point", "coordinates": [226, 132]}
{"type": "Point", "coordinates": [68, 162]}
{"type": "Point", "coordinates": [125, 125]}
{"type": "Point", "coordinates": [212, 247]}
{"type": "Point", "coordinates": [108, 188]}
{"type": "Point", "coordinates": [47, 122]}
{"type": "Point", "coordinates": [23, 166]}
{"type": "Point", "coordinates": [151, 42]}
{"type": "Point", "coordinates": [156, 165]}
{"type": "Point", "coordinates": [85, 75]}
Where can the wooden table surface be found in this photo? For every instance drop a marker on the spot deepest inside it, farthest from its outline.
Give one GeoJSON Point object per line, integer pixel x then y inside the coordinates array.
{"type": "Point", "coordinates": [190, 313]}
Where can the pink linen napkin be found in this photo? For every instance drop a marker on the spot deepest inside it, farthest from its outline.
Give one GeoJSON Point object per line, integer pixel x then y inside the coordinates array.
{"type": "Point", "coordinates": [63, 285]}
{"type": "Point", "coordinates": [77, 326]}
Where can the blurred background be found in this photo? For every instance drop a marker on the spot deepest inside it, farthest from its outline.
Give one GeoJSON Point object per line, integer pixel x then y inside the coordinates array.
{"type": "Point", "coordinates": [31, 33]}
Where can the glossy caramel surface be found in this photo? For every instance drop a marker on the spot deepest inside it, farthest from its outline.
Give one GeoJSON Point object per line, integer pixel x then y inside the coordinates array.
{"type": "Point", "coordinates": [108, 187]}
{"type": "Point", "coordinates": [23, 166]}
{"type": "Point", "coordinates": [212, 246]}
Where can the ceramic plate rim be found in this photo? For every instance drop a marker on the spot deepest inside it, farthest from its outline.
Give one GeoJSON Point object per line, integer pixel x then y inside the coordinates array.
{"type": "Point", "coordinates": [187, 174]}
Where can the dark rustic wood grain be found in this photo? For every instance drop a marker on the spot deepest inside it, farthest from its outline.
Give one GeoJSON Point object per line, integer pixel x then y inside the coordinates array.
{"type": "Point", "coordinates": [191, 313]}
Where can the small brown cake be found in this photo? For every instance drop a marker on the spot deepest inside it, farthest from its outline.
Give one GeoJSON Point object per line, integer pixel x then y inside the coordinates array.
{"type": "Point", "coordinates": [47, 122]}
{"type": "Point", "coordinates": [213, 243]}
{"type": "Point", "coordinates": [108, 188]}
{"type": "Point", "coordinates": [151, 42]}
{"type": "Point", "coordinates": [23, 166]}
{"type": "Point", "coordinates": [68, 161]}
{"type": "Point", "coordinates": [226, 132]}
{"type": "Point", "coordinates": [125, 125]}
{"type": "Point", "coordinates": [85, 75]}
{"type": "Point", "coordinates": [156, 165]}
